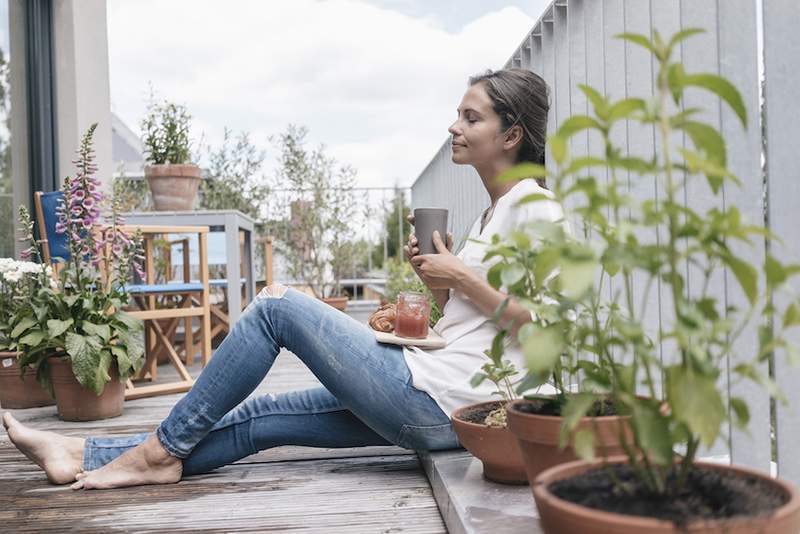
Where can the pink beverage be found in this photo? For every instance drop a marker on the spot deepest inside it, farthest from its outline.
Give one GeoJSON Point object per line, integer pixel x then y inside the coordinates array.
{"type": "Point", "coordinates": [413, 315]}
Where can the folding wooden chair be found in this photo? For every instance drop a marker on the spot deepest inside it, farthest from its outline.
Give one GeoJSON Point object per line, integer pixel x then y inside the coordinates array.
{"type": "Point", "coordinates": [145, 296]}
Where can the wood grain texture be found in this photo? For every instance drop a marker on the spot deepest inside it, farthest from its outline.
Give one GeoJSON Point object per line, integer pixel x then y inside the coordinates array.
{"type": "Point", "coordinates": [286, 489]}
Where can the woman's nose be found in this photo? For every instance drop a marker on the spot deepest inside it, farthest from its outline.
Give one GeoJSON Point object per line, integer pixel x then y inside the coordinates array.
{"type": "Point", "coordinates": [453, 130]}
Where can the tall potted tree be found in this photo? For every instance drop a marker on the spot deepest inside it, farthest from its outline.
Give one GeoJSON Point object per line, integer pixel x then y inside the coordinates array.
{"type": "Point", "coordinates": [320, 226]}
{"type": "Point", "coordinates": [75, 334]}
{"type": "Point", "coordinates": [172, 177]}
{"type": "Point", "coordinates": [659, 485]}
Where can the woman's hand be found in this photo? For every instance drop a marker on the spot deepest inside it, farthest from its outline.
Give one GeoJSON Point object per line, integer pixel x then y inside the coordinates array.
{"type": "Point", "coordinates": [438, 271]}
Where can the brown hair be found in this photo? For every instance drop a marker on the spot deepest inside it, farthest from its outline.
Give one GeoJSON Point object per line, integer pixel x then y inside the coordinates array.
{"type": "Point", "coordinates": [520, 98]}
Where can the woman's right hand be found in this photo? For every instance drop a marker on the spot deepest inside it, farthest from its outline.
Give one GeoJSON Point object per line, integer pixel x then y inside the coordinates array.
{"type": "Point", "coordinates": [411, 248]}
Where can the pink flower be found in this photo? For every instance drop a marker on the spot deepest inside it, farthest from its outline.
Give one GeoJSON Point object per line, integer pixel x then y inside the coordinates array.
{"type": "Point", "coordinates": [61, 227]}
{"type": "Point", "coordinates": [79, 194]}
{"type": "Point", "coordinates": [88, 203]}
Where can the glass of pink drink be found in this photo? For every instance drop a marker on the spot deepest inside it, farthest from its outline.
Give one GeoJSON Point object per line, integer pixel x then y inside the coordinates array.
{"type": "Point", "coordinates": [413, 315]}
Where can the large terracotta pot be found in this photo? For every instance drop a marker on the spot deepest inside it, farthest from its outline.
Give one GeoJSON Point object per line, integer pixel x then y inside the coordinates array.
{"type": "Point", "coordinates": [495, 447]}
{"type": "Point", "coordinates": [562, 517]}
{"type": "Point", "coordinates": [538, 437]}
{"type": "Point", "coordinates": [174, 187]}
{"type": "Point", "coordinates": [20, 392]}
{"type": "Point", "coordinates": [76, 403]}
{"type": "Point", "coordinates": [340, 303]}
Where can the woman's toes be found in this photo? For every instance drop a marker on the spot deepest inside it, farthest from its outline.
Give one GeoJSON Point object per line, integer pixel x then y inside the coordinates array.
{"type": "Point", "coordinates": [78, 485]}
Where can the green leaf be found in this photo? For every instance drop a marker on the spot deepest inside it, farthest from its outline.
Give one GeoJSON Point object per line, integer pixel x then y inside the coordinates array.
{"type": "Point", "coordinates": [576, 277]}
{"type": "Point", "coordinates": [512, 274]}
{"type": "Point", "coordinates": [625, 108]}
{"type": "Point", "coordinates": [696, 401]}
{"type": "Point", "coordinates": [478, 379]}
{"type": "Point", "coordinates": [722, 88]}
{"type": "Point", "coordinates": [706, 139]}
{"type": "Point", "coordinates": [652, 431]}
{"type": "Point", "coordinates": [124, 363]}
{"type": "Point", "coordinates": [638, 39]}
{"type": "Point", "coordinates": [598, 101]}
{"type": "Point", "coordinates": [493, 275]}
{"type": "Point", "coordinates": [534, 197]}
{"type": "Point", "coordinates": [32, 338]}
{"type": "Point", "coordinates": [522, 171]}
{"type": "Point", "coordinates": [575, 410]}
{"type": "Point", "coordinates": [683, 35]}
{"type": "Point", "coordinates": [776, 274]}
{"type": "Point", "coordinates": [558, 148]}
{"type": "Point", "coordinates": [84, 353]}
{"type": "Point", "coordinates": [741, 410]}
{"type": "Point", "coordinates": [745, 274]}
{"type": "Point", "coordinates": [56, 327]}
{"type": "Point", "coordinates": [23, 325]}
{"type": "Point", "coordinates": [575, 124]}
{"type": "Point", "coordinates": [791, 316]}
{"type": "Point", "coordinates": [543, 348]}
{"type": "Point", "coordinates": [103, 331]}
{"type": "Point", "coordinates": [583, 444]}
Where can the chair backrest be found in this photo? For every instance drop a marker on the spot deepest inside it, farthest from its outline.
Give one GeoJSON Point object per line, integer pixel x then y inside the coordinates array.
{"type": "Point", "coordinates": [54, 245]}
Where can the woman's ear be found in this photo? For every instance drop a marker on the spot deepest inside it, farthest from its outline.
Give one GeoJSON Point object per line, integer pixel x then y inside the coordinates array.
{"type": "Point", "coordinates": [513, 137]}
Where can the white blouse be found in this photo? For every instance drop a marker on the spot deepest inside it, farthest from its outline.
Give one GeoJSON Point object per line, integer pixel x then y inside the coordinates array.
{"type": "Point", "coordinates": [445, 373]}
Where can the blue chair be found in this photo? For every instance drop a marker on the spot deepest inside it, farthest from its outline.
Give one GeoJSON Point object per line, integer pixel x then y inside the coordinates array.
{"type": "Point", "coordinates": [147, 295]}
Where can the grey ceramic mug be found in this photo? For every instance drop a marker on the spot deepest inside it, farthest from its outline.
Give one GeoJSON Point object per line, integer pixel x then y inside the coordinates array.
{"type": "Point", "coordinates": [426, 220]}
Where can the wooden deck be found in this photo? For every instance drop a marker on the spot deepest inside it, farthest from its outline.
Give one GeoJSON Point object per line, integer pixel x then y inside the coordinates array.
{"type": "Point", "coordinates": [286, 489]}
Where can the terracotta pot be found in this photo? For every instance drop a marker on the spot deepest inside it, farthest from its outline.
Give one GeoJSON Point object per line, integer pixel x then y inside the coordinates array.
{"type": "Point", "coordinates": [538, 437]}
{"type": "Point", "coordinates": [20, 392]}
{"type": "Point", "coordinates": [76, 403]}
{"type": "Point", "coordinates": [340, 303]}
{"type": "Point", "coordinates": [562, 517]}
{"type": "Point", "coordinates": [495, 447]}
{"type": "Point", "coordinates": [174, 187]}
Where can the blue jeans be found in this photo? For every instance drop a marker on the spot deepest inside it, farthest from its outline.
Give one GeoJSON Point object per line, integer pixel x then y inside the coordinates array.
{"type": "Point", "coordinates": [367, 398]}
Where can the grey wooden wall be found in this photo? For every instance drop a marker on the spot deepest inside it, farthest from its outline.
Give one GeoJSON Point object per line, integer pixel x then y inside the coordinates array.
{"type": "Point", "coordinates": [573, 42]}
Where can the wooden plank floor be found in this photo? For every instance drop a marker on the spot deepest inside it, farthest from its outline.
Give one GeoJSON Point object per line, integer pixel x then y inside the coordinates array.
{"type": "Point", "coordinates": [286, 489]}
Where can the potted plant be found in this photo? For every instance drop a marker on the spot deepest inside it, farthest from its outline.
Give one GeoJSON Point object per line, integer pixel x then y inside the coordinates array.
{"type": "Point", "coordinates": [659, 485]}
{"type": "Point", "coordinates": [19, 281]}
{"type": "Point", "coordinates": [76, 336]}
{"type": "Point", "coordinates": [482, 428]}
{"type": "Point", "coordinates": [320, 223]}
{"type": "Point", "coordinates": [172, 178]}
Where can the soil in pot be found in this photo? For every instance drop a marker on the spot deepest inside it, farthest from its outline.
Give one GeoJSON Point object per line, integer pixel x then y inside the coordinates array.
{"type": "Point", "coordinates": [76, 403]}
{"type": "Point", "coordinates": [721, 497]}
{"type": "Point", "coordinates": [536, 424]}
{"type": "Point", "coordinates": [494, 446]}
{"type": "Point", "coordinates": [20, 392]}
{"type": "Point", "coordinates": [707, 495]}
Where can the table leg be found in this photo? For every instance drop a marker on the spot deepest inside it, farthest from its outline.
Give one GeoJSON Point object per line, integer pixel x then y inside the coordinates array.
{"type": "Point", "coordinates": [232, 268]}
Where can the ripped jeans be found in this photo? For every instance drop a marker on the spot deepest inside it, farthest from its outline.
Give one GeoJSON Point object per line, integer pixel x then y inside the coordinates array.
{"type": "Point", "coordinates": [367, 399]}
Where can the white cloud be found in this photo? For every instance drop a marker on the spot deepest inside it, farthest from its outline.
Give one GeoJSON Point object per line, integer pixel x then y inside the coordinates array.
{"type": "Point", "coordinates": [379, 88]}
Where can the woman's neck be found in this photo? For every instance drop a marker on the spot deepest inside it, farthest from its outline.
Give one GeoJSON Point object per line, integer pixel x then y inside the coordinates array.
{"type": "Point", "coordinates": [493, 186]}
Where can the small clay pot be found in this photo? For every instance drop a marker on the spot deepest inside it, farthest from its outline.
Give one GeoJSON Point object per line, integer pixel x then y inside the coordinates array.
{"type": "Point", "coordinates": [20, 392]}
{"type": "Point", "coordinates": [538, 437]}
{"type": "Point", "coordinates": [340, 303]}
{"type": "Point", "coordinates": [495, 447]}
{"type": "Point", "coordinates": [76, 403]}
{"type": "Point", "coordinates": [173, 187]}
{"type": "Point", "coordinates": [562, 517]}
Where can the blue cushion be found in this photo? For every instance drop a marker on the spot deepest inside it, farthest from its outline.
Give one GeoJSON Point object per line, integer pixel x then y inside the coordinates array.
{"type": "Point", "coordinates": [57, 243]}
{"type": "Point", "coordinates": [223, 282]}
{"type": "Point", "coordinates": [163, 288]}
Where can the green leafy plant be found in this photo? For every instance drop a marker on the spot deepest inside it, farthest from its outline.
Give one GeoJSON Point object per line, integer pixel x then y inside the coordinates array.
{"type": "Point", "coordinates": [165, 133]}
{"type": "Point", "coordinates": [80, 315]}
{"type": "Point", "coordinates": [650, 242]}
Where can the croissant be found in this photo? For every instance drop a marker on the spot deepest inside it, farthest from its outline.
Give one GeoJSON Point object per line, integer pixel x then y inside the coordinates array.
{"type": "Point", "coordinates": [383, 319]}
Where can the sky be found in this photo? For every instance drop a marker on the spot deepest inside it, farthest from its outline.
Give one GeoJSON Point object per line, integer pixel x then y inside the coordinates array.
{"type": "Point", "coordinates": [376, 81]}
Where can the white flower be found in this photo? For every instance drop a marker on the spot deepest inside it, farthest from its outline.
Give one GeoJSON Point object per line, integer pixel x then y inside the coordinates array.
{"type": "Point", "coordinates": [13, 276]}
{"type": "Point", "coordinates": [7, 264]}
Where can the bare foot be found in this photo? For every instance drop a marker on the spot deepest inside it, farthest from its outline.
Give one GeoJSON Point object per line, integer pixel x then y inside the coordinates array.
{"type": "Point", "coordinates": [61, 457]}
{"type": "Point", "coordinates": [147, 463]}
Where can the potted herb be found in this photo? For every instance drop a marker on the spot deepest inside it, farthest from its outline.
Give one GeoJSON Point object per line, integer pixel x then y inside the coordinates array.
{"type": "Point", "coordinates": [659, 485]}
{"type": "Point", "coordinates": [172, 178]}
{"type": "Point", "coordinates": [482, 428]}
{"type": "Point", "coordinates": [19, 281]}
{"type": "Point", "coordinates": [75, 334]}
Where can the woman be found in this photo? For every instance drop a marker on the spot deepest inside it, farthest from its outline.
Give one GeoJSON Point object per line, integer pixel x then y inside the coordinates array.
{"type": "Point", "coordinates": [373, 394]}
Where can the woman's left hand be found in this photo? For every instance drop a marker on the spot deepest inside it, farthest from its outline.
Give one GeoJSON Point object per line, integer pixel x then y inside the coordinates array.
{"type": "Point", "coordinates": [440, 271]}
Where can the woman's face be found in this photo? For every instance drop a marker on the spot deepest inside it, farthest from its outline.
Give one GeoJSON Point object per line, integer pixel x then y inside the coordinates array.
{"type": "Point", "coordinates": [476, 137]}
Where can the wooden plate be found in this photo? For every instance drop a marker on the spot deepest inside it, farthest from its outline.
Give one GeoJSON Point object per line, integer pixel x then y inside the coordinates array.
{"type": "Point", "coordinates": [433, 341]}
